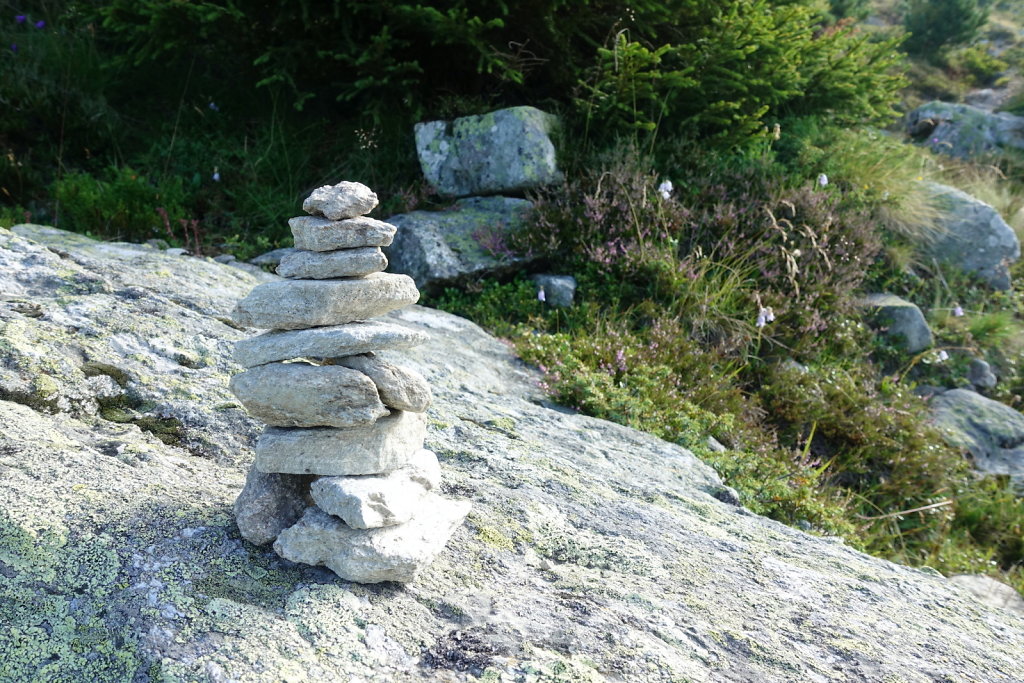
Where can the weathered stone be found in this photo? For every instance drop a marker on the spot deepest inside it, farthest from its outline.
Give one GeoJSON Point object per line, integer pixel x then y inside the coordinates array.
{"type": "Point", "coordinates": [384, 446]}
{"type": "Point", "coordinates": [373, 501]}
{"type": "Point", "coordinates": [270, 503]}
{"type": "Point", "coordinates": [503, 151]}
{"type": "Point", "coordinates": [973, 236]}
{"type": "Point", "coordinates": [979, 373]}
{"type": "Point", "coordinates": [321, 234]}
{"type": "Point", "coordinates": [318, 265]}
{"type": "Point", "coordinates": [325, 342]}
{"type": "Point", "coordinates": [398, 387]}
{"type": "Point", "coordinates": [963, 131]}
{"type": "Point", "coordinates": [438, 248]}
{"type": "Point", "coordinates": [344, 200]}
{"type": "Point", "coordinates": [272, 257]}
{"type": "Point", "coordinates": [901, 320]}
{"type": "Point", "coordinates": [559, 290]}
{"type": "Point", "coordinates": [991, 432]}
{"type": "Point", "coordinates": [303, 395]}
{"type": "Point", "coordinates": [299, 304]}
{"type": "Point", "coordinates": [990, 591]}
{"type": "Point", "coordinates": [394, 553]}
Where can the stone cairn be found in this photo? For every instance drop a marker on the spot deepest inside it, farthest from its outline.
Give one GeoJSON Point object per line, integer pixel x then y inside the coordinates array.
{"type": "Point", "coordinates": [341, 477]}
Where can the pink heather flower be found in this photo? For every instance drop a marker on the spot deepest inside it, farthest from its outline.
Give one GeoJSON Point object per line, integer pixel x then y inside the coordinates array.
{"type": "Point", "coordinates": [541, 296]}
{"type": "Point", "coordinates": [957, 311]}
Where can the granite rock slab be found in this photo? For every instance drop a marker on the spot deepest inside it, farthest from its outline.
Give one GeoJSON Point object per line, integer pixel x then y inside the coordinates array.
{"type": "Point", "coordinates": [382, 447]}
{"type": "Point", "coordinates": [321, 234]}
{"type": "Point", "coordinates": [395, 553]}
{"type": "Point", "coordinates": [270, 503]}
{"type": "Point", "coordinates": [374, 501]}
{"type": "Point", "coordinates": [399, 387]}
{"type": "Point", "coordinates": [300, 304]}
{"type": "Point", "coordinates": [304, 395]}
{"type": "Point", "coordinates": [326, 342]}
{"type": "Point", "coordinates": [344, 200]}
{"type": "Point", "coordinates": [323, 265]}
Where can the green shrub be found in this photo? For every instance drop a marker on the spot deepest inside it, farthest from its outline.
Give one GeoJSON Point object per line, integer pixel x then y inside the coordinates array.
{"type": "Point", "coordinates": [937, 25]}
{"type": "Point", "coordinates": [975, 65]}
{"type": "Point", "coordinates": [125, 206]}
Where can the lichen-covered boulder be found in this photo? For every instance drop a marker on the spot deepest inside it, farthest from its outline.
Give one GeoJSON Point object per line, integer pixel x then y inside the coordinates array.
{"type": "Point", "coordinates": [502, 152]}
{"type": "Point", "coordinates": [472, 239]}
{"type": "Point", "coordinates": [991, 433]}
{"type": "Point", "coordinates": [973, 236]}
{"type": "Point", "coordinates": [964, 131]}
{"type": "Point", "coordinates": [593, 552]}
{"type": "Point", "coordinates": [900, 320]}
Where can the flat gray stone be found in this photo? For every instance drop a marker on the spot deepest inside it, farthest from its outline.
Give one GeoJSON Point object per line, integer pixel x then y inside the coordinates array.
{"type": "Point", "coordinates": [466, 242]}
{"type": "Point", "coordinates": [321, 234]}
{"type": "Point", "coordinates": [344, 200]}
{"type": "Point", "coordinates": [394, 553]}
{"type": "Point", "coordinates": [322, 265]}
{"type": "Point", "coordinates": [273, 257]}
{"type": "Point", "coordinates": [902, 321]}
{"type": "Point", "coordinates": [559, 290]}
{"type": "Point", "coordinates": [382, 447]}
{"type": "Point", "coordinates": [973, 237]}
{"type": "Point", "coordinates": [990, 431]}
{"type": "Point", "coordinates": [374, 501]}
{"type": "Point", "coordinates": [964, 131]}
{"type": "Point", "coordinates": [299, 304]}
{"type": "Point", "coordinates": [326, 342]}
{"type": "Point", "coordinates": [990, 591]}
{"type": "Point", "coordinates": [270, 503]}
{"type": "Point", "coordinates": [398, 387]}
{"type": "Point", "coordinates": [508, 150]}
{"type": "Point", "coordinates": [302, 395]}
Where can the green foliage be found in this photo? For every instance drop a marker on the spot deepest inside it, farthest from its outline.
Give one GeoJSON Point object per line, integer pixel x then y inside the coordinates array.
{"type": "Point", "coordinates": [852, 9]}
{"type": "Point", "coordinates": [975, 65]}
{"type": "Point", "coordinates": [125, 206]}
{"type": "Point", "coordinates": [937, 25]}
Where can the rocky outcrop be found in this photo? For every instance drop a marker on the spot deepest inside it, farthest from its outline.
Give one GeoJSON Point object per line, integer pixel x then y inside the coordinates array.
{"type": "Point", "coordinates": [438, 248]}
{"type": "Point", "coordinates": [963, 131]}
{"type": "Point", "coordinates": [991, 433]}
{"type": "Point", "coordinates": [973, 236]}
{"type": "Point", "coordinates": [900, 320]}
{"type": "Point", "coordinates": [502, 152]}
{"type": "Point", "coordinates": [593, 552]}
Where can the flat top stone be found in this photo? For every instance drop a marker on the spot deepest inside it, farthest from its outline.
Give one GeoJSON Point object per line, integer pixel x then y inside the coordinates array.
{"type": "Point", "coordinates": [344, 200]}
{"type": "Point", "coordinates": [322, 265]}
{"type": "Point", "coordinates": [326, 342]}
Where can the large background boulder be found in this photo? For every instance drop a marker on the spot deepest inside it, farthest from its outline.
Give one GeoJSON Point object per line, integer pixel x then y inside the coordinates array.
{"type": "Point", "coordinates": [901, 321]}
{"type": "Point", "coordinates": [973, 236]}
{"type": "Point", "coordinates": [963, 131]}
{"type": "Point", "coordinates": [593, 552]}
{"type": "Point", "coordinates": [438, 248]}
{"type": "Point", "coordinates": [503, 152]}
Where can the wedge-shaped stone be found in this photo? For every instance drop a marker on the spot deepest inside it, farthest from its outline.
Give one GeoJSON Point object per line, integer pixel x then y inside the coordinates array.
{"type": "Point", "coordinates": [303, 395]}
{"type": "Point", "coordinates": [322, 265]}
{"type": "Point", "coordinates": [270, 503]}
{"type": "Point", "coordinates": [394, 553]}
{"type": "Point", "coordinates": [398, 387]}
{"type": "Point", "coordinates": [320, 234]}
{"type": "Point", "coordinates": [382, 447]}
{"type": "Point", "coordinates": [374, 501]}
{"type": "Point", "coordinates": [344, 200]}
{"type": "Point", "coordinates": [299, 304]}
{"type": "Point", "coordinates": [325, 342]}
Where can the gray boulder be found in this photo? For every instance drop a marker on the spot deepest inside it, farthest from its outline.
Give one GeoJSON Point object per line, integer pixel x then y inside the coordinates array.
{"type": "Point", "coordinates": [502, 152]}
{"type": "Point", "coordinates": [438, 248]}
{"type": "Point", "coordinates": [900, 320]}
{"type": "Point", "coordinates": [990, 432]}
{"type": "Point", "coordinates": [979, 373]}
{"type": "Point", "coordinates": [964, 131]}
{"type": "Point", "coordinates": [270, 503]}
{"type": "Point", "coordinates": [973, 236]}
{"type": "Point", "coordinates": [990, 591]}
{"type": "Point", "coordinates": [593, 551]}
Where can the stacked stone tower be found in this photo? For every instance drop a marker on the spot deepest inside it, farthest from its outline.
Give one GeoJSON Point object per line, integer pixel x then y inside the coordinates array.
{"type": "Point", "coordinates": [341, 477]}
